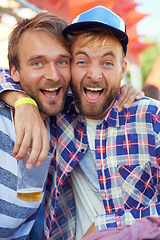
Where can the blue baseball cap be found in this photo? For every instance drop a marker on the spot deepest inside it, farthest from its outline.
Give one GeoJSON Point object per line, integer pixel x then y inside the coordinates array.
{"type": "Point", "coordinates": [100, 16]}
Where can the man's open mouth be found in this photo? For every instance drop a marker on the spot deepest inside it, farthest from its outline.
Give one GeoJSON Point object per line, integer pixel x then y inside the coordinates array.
{"type": "Point", "coordinates": [93, 94]}
{"type": "Point", "coordinates": [50, 92]}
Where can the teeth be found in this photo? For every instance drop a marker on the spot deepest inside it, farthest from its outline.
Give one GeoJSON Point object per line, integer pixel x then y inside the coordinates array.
{"type": "Point", "coordinates": [51, 89]}
{"type": "Point", "coordinates": [93, 89]}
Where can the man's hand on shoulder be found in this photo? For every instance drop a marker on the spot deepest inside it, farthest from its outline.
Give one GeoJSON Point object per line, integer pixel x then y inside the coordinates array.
{"type": "Point", "coordinates": [127, 97]}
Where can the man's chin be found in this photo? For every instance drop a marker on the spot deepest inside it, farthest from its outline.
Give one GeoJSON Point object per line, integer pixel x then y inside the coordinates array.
{"type": "Point", "coordinates": [51, 109]}
{"type": "Point", "coordinates": [95, 111]}
{"type": "Point", "coordinates": [50, 112]}
{"type": "Point", "coordinates": [92, 113]}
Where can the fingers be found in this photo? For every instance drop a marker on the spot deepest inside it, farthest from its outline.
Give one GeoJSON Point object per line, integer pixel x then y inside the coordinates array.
{"type": "Point", "coordinates": [40, 149]}
{"type": "Point", "coordinates": [127, 96]}
{"type": "Point", "coordinates": [18, 142]}
{"type": "Point", "coordinates": [31, 140]}
{"type": "Point", "coordinates": [140, 95]}
{"type": "Point", "coordinates": [122, 97]}
{"type": "Point", "coordinates": [31, 132]}
{"type": "Point", "coordinates": [45, 148]}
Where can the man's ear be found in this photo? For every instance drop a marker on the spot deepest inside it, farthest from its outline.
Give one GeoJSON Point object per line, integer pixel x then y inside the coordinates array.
{"type": "Point", "coordinates": [124, 68]}
{"type": "Point", "coordinates": [14, 74]}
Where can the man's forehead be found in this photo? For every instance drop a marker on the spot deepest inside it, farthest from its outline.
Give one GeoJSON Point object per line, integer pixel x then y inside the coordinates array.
{"type": "Point", "coordinates": [95, 43]}
{"type": "Point", "coordinates": [41, 36]}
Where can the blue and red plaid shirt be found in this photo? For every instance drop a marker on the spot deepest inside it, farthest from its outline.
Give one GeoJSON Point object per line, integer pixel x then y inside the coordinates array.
{"type": "Point", "coordinates": [127, 158]}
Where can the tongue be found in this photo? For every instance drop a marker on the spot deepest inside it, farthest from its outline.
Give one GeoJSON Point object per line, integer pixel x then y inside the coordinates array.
{"type": "Point", "coordinates": [49, 93]}
{"type": "Point", "coordinates": [93, 94]}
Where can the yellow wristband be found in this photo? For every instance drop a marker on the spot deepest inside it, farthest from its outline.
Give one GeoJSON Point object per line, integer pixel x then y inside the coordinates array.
{"type": "Point", "coordinates": [25, 100]}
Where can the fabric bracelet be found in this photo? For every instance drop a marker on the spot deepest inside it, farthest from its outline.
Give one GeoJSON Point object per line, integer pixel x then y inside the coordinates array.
{"type": "Point", "coordinates": [25, 100]}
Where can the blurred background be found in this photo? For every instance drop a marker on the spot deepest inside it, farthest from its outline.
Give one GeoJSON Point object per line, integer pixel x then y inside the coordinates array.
{"type": "Point", "coordinates": [143, 28]}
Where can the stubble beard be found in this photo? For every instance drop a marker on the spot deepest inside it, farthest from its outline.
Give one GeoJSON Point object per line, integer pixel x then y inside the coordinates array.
{"type": "Point", "coordinates": [49, 111]}
{"type": "Point", "coordinates": [53, 110]}
{"type": "Point", "coordinates": [94, 110]}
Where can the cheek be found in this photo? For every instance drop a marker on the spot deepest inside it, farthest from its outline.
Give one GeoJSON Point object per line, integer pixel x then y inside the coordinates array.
{"type": "Point", "coordinates": [77, 74]}
{"type": "Point", "coordinates": [32, 75]}
{"type": "Point", "coordinates": [73, 67]}
{"type": "Point", "coordinates": [32, 82]}
{"type": "Point", "coordinates": [66, 75]}
{"type": "Point", "coordinates": [114, 76]}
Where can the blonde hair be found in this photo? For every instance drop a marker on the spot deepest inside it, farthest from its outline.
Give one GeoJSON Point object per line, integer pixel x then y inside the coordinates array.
{"type": "Point", "coordinates": [95, 35]}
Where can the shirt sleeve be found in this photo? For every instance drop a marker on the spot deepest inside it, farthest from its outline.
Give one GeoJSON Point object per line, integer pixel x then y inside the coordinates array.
{"type": "Point", "coordinates": [125, 217]}
{"type": "Point", "coordinates": [7, 83]}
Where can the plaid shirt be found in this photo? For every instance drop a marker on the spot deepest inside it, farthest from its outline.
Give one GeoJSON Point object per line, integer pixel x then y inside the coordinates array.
{"type": "Point", "coordinates": [127, 156]}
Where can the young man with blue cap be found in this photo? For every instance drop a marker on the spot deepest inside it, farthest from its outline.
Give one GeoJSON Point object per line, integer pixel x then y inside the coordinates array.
{"type": "Point", "coordinates": [105, 172]}
{"type": "Point", "coordinates": [115, 179]}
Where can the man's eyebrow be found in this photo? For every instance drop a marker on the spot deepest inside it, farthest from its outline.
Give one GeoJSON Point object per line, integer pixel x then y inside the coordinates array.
{"type": "Point", "coordinates": [80, 52]}
{"type": "Point", "coordinates": [65, 55]}
{"type": "Point", "coordinates": [108, 53]}
{"type": "Point", "coordinates": [36, 56]}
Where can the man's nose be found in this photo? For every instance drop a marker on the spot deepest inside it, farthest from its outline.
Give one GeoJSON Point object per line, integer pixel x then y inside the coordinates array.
{"type": "Point", "coordinates": [94, 73]}
{"type": "Point", "coordinates": [51, 72]}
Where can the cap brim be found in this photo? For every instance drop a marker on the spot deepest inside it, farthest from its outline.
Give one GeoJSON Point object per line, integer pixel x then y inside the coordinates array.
{"type": "Point", "coordinates": [121, 36]}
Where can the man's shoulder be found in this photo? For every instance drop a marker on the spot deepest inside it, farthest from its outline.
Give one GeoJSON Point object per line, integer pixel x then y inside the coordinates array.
{"type": "Point", "coordinates": [146, 103]}
{"type": "Point", "coordinates": [144, 108]}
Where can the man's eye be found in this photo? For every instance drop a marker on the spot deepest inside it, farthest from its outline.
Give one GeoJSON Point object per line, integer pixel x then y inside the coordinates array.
{"type": "Point", "coordinates": [37, 64]}
{"type": "Point", "coordinates": [81, 62]}
{"type": "Point", "coordinates": [63, 62]}
{"type": "Point", "coordinates": [108, 63]}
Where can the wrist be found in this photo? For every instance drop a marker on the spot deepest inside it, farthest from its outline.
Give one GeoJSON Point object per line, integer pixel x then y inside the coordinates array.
{"type": "Point", "coordinates": [10, 97]}
{"type": "Point", "coordinates": [25, 100]}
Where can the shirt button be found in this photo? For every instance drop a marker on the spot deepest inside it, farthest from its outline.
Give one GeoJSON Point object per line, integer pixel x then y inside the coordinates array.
{"type": "Point", "coordinates": [69, 173]}
{"type": "Point", "coordinates": [82, 150]}
{"type": "Point", "coordinates": [58, 194]}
